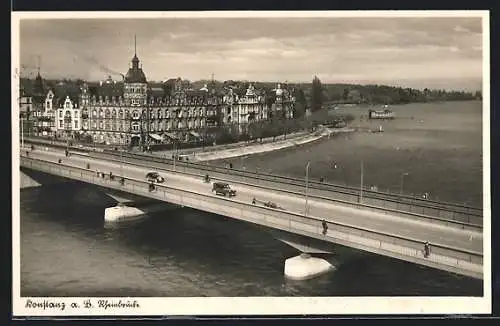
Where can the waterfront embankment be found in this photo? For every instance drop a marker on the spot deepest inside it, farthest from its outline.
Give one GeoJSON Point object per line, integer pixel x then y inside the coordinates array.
{"type": "Point", "coordinates": [245, 149]}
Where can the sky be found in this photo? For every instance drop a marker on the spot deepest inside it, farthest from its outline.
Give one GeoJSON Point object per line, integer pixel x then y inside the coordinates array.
{"type": "Point", "coordinates": [409, 52]}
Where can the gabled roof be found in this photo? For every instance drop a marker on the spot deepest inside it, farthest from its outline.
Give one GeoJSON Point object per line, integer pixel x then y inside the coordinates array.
{"type": "Point", "coordinates": [63, 90]}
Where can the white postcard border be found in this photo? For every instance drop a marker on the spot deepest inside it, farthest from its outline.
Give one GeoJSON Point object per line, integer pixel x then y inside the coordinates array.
{"type": "Point", "coordinates": [251, 305]}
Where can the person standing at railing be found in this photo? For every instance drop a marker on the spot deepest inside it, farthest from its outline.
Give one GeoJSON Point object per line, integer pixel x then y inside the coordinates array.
{"type": "Point", "coordinates": [427, 249]}
{"type": "Point", "coordinates": [325, 227]}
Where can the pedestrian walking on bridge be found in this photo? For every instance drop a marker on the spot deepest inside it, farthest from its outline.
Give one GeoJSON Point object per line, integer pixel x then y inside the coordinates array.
{"type": "Point", "coordinates": [325, 227]}
{"type": "Point", "coordinates": [427, 249]}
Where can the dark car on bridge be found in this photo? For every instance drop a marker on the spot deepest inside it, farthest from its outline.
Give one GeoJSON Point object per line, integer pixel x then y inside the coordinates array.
{"type": "Point", "coordinates": [223, 189]}
{"type": "Point", "coordinates": [271, 204]}
{"type": "Point", "coordinates": [154, 177]}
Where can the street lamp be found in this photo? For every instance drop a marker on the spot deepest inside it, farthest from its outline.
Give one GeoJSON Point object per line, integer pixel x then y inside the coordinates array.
{"type": "Point", "coordinates": [361, 182]}
{"type": "Point", "coordinates": [22, 132]}
{"type": "Point", "coordinates": [402, 182]}
{"type": "Point", "coordinates": [121, 161]}
{"type": "Point", "coordinates": [307, 186]}
{"type": "Point", "coordinates": [174, 151]}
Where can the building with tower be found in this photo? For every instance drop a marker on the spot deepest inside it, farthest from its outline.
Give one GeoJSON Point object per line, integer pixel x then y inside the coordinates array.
{"type": "Point", "coordinates": [135, 112]}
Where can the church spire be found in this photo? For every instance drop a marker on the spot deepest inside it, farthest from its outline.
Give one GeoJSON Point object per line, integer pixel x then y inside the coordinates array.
{"type": "Point", "coordinates": [135, 60]}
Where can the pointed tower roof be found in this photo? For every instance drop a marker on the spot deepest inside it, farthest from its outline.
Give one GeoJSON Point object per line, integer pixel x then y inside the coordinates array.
{"type": "Point", "coordinates": [135, 73]}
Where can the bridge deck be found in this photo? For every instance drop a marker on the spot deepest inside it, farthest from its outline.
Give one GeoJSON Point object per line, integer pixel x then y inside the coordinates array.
{"type": "Point", "coordinates": [403, 228]}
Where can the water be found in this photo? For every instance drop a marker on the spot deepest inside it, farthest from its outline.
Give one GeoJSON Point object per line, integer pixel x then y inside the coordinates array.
{"type": "Point", "coordinates": [438, 145]}
{"type": "Point", "coordinates": [67, 251]}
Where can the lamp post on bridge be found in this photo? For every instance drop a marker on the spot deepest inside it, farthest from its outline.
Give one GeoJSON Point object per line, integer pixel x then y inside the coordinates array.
{"type": "Point", "coordinates": [121, 162]}
{"type": "Point", "coordinates": [22, 131]}
{"type": "Point", "coordinates": [361, 182]}
{"type": "Point", "coordinates": [402, 182]}
{"type": "Point", "coordinates": [306, 209]}
{"type": "Point", "coordinates": [175, 152]}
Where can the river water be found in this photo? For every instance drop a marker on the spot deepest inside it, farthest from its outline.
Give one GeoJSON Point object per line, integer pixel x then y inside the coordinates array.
{"type": "Point", "coordinates": [67, 251]}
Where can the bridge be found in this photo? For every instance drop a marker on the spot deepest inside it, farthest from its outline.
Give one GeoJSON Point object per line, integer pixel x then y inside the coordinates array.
{"type": "Point", "coordinates": [399, 230]}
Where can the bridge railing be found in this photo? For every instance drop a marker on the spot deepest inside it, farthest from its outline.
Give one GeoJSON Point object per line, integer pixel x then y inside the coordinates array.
{"type": "Point", "coordinates": [406, 203]}
{"type": "Point", "coordinates": [357, 237]}
{"type": "Point", "coordinates": [186, 169]}
{"type": "Point", "coordinates": [451, 211]}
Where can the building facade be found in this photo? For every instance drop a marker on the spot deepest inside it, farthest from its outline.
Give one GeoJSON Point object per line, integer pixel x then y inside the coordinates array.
{"type": "Point", "coordinates": [134, 112]}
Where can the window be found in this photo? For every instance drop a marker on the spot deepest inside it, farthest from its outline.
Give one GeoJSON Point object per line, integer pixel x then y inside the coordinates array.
{"type": "Point", "coordinates": [101, 125]}
{"type": "Point", "coordinates": [135, 114]}
{"type": "Point", "coordinates": [76, 124]}
{"type": "Point", "coordinates": [120, 114]}
{"type": "Point", "coordinates": [101, 113]}
{"type": "Point", "coordinates": [66, 105]}
{"type": "Point", "coordinates": [108, 114]}
{"type": "Point", "coordinates": [60, 123]}
{"type": "Point", "coordinates": [94, 125]}
{"type": "Point", "coordinates": [47, 104]}
{"type": "Point", "coordinates": [60, 114]}
{"type": "Point", "coordinates": [94, 113]}
{"type": "Point", "coordinates": [113, 113]}
{"type": "Point", "coordinates": [135, 127]}
{"type": "Point", "coordinates": [75, 113]}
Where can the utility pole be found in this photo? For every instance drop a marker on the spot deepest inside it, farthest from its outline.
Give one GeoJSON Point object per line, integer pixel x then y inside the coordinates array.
{"type": "Point", "coordinates": [361, 184]}
{"type": "Point", "coordinates": [402, 182]}
{"type": "Point", "coordinates": [22, 132]}
{"type": "Point", "coordinates": [174, 151]}
{"type": "Point", "coordinates": [307, 187]}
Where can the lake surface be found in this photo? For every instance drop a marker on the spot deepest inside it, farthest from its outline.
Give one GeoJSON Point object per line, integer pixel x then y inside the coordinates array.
{"type": "Point", "coordinates": [67, 251]}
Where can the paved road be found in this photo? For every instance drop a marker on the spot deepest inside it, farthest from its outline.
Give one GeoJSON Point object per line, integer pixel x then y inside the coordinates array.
{"type": "Point", "coordinates": [378, 222]}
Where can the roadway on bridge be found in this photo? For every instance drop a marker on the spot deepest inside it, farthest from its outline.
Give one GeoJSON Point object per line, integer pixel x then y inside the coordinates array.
{"type": "Point", "coordinates": [419, 230]}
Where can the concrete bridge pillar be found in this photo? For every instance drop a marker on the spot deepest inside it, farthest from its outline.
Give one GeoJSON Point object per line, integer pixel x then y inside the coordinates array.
{"type": "Point", "coordinates": [305, 266]}
{"type": "Point", "coordinates": [32, 179]}
{"type": "Point", "coordinates": [131, 208]}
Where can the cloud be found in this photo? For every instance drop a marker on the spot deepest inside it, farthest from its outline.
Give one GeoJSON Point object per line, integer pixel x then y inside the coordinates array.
{"type": "Point", "coordinates": [260, 49]}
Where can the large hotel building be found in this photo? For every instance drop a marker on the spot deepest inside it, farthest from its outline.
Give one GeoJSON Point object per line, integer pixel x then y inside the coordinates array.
{"type": "Point", "coordinates": [134, 112]}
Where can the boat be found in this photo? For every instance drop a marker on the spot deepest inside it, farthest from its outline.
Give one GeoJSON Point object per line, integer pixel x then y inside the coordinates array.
{"type": "Point", "coordinates": [381, 114]}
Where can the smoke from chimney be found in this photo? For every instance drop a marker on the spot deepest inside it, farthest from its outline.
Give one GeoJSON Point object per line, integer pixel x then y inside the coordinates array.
{"type": "Point", "coordinates": [103, 68]}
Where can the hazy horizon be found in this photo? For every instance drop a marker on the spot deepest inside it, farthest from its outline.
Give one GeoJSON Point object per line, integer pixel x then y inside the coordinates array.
{"type": "Point", "coordinates": [435, 53]}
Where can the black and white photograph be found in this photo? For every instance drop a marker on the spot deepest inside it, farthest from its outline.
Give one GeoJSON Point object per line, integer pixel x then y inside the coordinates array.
{"type": "Point", "coordinates": [212, 163]}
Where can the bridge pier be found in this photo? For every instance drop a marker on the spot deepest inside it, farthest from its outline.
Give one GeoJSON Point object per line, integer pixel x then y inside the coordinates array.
{"type": "Point", "coordinates": [304, 266]}
{"type": "Point", "coordinates": [131, 212]}
{"type": "Point", "coordinates": [131, 208]}
{"type": "Point", "coordinates": [32, 179]}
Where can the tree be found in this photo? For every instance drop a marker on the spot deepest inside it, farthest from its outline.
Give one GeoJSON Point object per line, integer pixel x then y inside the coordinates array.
{"type": "Point", "coordinates": [316, 94]}
{"type": "Point", "coordinates": [345, 95]}
{"type": "Point", "coordinates": [300, 103]}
